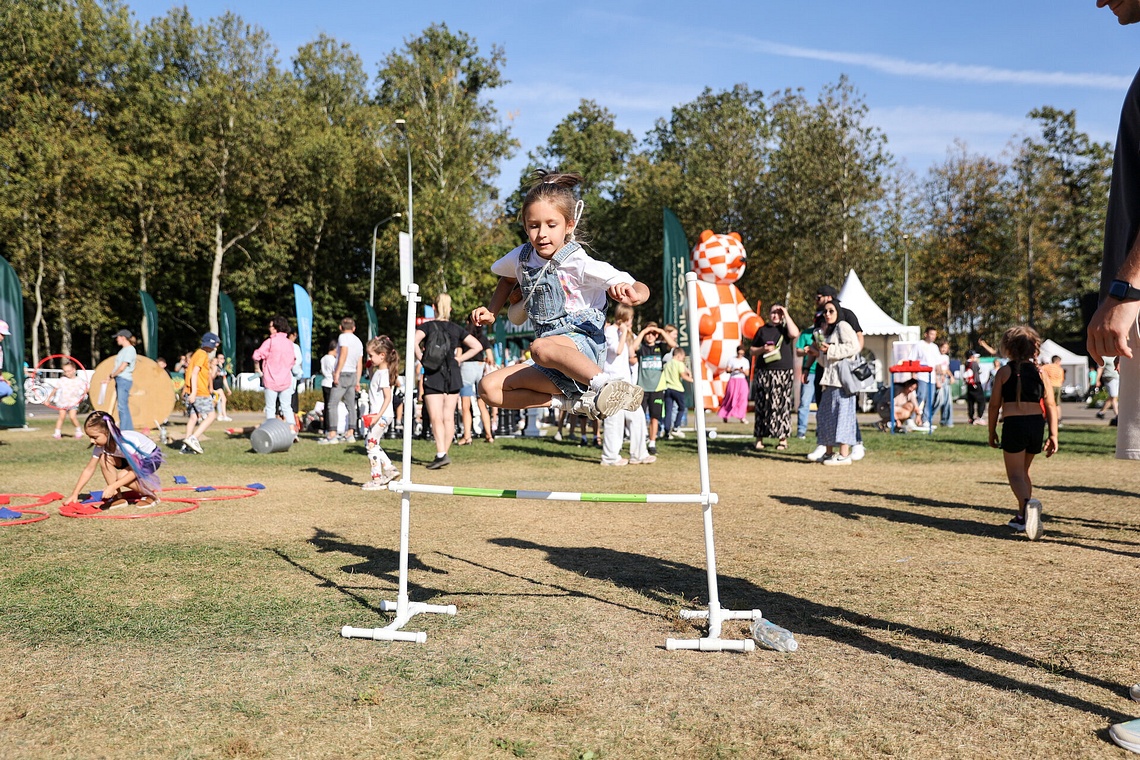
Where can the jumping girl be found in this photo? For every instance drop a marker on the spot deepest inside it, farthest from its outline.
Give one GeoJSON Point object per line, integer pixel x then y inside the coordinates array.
{"type": "Point", "coordinates": [128, 461]}
{"type": "Point", "coordinates": [385, 369]}
{"type": "Point", "coordinates": [563, 291]}
{"type": "Point", "coordinates": [1019, 392]}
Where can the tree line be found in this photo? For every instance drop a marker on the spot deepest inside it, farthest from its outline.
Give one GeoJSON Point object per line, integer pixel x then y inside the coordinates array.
{"type": "Point", "coordinates": [183, 158]}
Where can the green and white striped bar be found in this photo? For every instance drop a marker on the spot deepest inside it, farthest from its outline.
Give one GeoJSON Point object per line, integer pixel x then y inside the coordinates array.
{"type": "Point", "coordinates": [501, 493]}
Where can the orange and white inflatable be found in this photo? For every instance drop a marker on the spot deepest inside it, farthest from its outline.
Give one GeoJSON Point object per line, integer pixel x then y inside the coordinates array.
{"type": "Point", "coordinates": [726, 319]}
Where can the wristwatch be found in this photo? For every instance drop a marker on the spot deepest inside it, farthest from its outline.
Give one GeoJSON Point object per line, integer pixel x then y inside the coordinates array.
{"type": "Point", "coordinates": [1123, 291]}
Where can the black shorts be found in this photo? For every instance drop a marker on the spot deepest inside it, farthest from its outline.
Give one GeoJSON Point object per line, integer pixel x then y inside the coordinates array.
{"type": "Point", "coordinates": [654, 403]}
{"type": "Point", "coordinates": [1025, 432]}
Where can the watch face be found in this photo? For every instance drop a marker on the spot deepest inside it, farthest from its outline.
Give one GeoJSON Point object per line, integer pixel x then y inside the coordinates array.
{"type": "Point", "coordinates": [1118, 289]}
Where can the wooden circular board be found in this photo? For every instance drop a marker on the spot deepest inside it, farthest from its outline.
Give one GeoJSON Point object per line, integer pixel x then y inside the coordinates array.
{"type": "Point", "coordinates": [152, 393]}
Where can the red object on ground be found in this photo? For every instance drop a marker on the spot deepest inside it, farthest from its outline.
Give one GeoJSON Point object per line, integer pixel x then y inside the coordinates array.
{"type": "Point", "coordinates": [29, 509]}
{"type": "Point", "coordinates": [910, 366]}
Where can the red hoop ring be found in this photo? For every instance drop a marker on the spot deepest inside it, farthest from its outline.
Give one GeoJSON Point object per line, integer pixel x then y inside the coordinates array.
{"type": "Point", "coordinates": [74, 361]}
{"type": "Point", "coordinates": [67, 510]}
{"type": "Point", "coordinates": [248, 492]}
{"type": "Point", "coordinates": [42, 500]}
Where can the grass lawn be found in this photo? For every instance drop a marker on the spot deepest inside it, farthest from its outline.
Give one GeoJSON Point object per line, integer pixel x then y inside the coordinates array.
{"type": "Point", "coordinates": [926, 627]}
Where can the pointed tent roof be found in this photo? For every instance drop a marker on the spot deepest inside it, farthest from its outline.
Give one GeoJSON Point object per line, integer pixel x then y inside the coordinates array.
{"type": "Point", "coordinates": [873, 320]}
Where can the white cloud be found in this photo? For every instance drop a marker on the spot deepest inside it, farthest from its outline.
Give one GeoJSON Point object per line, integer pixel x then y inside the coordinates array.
{"type": "Point", "coordinates": [951, 72]}
{"type": "Point", "coordinates": [923, 134]}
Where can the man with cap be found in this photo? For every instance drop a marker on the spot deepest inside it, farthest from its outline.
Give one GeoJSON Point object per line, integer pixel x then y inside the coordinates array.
{"type": "Point", "coordinates": [124, 373]}
{"type": "Point", "coordinates": [825, 294]}
{"type": "Point", "coordinates": [197, 393]}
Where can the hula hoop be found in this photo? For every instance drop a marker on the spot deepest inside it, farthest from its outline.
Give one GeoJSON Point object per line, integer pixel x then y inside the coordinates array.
{"type": "Point", "coordinates": [248, 492]}
{"type": "Point", "coordinates": [77, 363]}
{"type": "Point", "coordinates": [42, 500]}
{"type": "Point", "coordinates": [80, 510]}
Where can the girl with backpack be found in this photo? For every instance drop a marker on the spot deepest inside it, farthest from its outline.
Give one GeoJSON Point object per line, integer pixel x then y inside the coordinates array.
{"type": "Point", "coordinates": [437, 342]}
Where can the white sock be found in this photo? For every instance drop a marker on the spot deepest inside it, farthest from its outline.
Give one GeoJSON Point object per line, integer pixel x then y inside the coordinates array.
{"type": "Point", "coordinates": [598, 381]}
{"type": "Point", "coordinates": [440, 454]}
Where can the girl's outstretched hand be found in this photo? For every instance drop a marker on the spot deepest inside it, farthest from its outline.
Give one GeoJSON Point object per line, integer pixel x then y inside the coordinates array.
{"type": "Point", "coordinates": [482, 316]}
{"type": "Point", "coordinates": [629, 294]}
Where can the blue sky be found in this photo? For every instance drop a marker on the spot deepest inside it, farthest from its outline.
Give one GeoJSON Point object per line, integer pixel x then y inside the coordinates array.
{"type": "Point", "coordinates": [930, 72]}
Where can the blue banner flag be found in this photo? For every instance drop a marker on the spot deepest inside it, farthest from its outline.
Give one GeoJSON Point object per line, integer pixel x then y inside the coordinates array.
{"type": "Point", "coordinates": [304, 329]}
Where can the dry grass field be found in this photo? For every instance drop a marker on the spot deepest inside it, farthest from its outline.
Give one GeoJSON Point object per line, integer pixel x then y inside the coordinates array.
{"type": "Point", "coordinates": [927, 629]}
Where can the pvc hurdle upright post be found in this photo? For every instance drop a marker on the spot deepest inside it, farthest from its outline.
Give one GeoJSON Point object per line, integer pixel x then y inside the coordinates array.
{"type": "Point", "coordinates": [714, 614]}
{"type": "Point", "coordinates": [404, 608]}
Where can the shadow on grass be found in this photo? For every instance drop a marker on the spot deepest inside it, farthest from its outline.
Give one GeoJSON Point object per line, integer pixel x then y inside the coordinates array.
{"type": "Point", "coordinates": [378, 563]}
{"type": "Point", "coordinates": [332, 477]}
{"type": "Point", "coordinates": [562, 450]}
{"type": "Point", "coordinates": [649, 575]}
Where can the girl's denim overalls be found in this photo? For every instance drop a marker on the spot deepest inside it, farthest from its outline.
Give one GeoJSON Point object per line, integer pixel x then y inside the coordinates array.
{"type": "Point", "coordinates": [546, 308]}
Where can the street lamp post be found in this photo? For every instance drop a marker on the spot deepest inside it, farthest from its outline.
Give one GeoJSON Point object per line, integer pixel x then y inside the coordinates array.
{"type": "Point", "coordinates": [403, 127]}
{"type": "Point", "coordinates": [372, 282]}
{"type": "Point", "coordinates": [906, 278]}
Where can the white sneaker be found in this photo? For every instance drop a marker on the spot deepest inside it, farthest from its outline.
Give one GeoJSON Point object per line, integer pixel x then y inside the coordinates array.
{"type": "Point", "coordinates": [584, 406]}
{"type": "Point", "coordinates": [818, 454]}
{"type": "Point", "coordinates": [616, 396]}
{"type": "Point", "coordinates": [1033, 519]}
{"type": "Point", "coordinates": [376, 483]}
{"type": "Point", "coordinates": [678, 434]}
{"type": "Point", "coordinates": [391, 472]}
{"type": "Point", "coordinates": [1134, 692]}
{"type": "Point", "coordinates": [837, 461]}
{"type": "Point", "coordinates": [910, 426]}
{"type": "Point", "coordinates": [650, 459]}
{"type": "Point", "coordinates": [619, 463]}
{"type": "Point", "coordinates": [557, 436]}
{"type": "Point", "coordinates": [192, 442]}
{"type": "Point", "coordinates": [858, 452]}
{"type": "Point", "coordinates": [1127, 735]}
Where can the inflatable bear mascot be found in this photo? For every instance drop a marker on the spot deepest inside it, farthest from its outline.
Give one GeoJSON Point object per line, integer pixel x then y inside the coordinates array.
{"type": "Point", "coordinates": [726, 319]}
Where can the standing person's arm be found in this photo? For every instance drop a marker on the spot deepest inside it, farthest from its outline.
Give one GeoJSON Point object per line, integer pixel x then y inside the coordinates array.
{"type": "Point", "coordinates": [1050, 417]}
{"type": "Point", "coordinates": [359, 369]}
{"type": "Point", "coordinates": [1114, 319]}
{"type": "Point", "coordinates": [473, 346]}
{"type": "Point", "coordinates": [793, 328]}
{"type": "Point", "coordinates": [995, 406]}
{"type": "Point", "coordinates": [341, 358]}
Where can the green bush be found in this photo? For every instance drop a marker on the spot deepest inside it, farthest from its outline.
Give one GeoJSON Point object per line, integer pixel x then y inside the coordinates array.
{"type": "Point", "coordinates": [254, 401]}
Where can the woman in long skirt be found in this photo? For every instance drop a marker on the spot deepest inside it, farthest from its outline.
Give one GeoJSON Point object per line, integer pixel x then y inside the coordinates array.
{"type": "Point", "coordinates": [734, 405]}
{"type": "Point", "coordinates": [773, 348]}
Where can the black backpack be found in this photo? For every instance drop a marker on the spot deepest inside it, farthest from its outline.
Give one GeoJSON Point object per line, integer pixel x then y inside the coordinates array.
{"type": "Point", "coordinates": [437, 347]}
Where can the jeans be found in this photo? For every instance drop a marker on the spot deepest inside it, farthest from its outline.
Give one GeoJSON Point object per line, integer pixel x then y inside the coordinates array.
{"type": "Point", "coordinates": [674, 401]}
{"type": "Point", "coordinates": [943, 402]}
{"type": "Point", "coordinates": [123, 402]}
{"type": "Point", "coordinates": [286, 399]}
{"type": "Point", "coordinates": [807, 395]}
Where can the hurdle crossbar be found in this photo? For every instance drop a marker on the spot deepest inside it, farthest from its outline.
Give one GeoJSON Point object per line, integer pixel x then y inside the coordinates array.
{"type": "Point", "coordinates": [400, 486]}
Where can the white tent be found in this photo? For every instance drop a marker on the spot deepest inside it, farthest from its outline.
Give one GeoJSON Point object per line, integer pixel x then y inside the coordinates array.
{"type": "Point", "coordinates": [880, 330]}
{"type": "Point", "coordinates": [1076, 366]}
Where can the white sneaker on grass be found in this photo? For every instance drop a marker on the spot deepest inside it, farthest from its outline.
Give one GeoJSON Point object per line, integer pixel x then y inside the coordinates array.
{"type": "Point", "coordinates": [836, 460]}
{"type": "Point", "coordinates": [817, 454]}
{"type": "Point", "coordinates": [1134, 692]}
{"type": "Point", "coordinates": [1127, 735]}
{"type": "Point", "coordinates": [858, 452]}
{"type": "Point", "coordinates": [192, 442]}
{"type": "Point", "coordinates": [1033, 519]}
{"type": "Point", "coordinates": [376, 483]}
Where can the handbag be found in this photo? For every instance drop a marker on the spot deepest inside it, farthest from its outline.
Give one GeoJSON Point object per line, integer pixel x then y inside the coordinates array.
{"type": "Point", "coordinates": [862, 370]}
{"type": "Point", "coordinates": [774, 354]}
{"type": "Point", "coordinates": [848, 383]}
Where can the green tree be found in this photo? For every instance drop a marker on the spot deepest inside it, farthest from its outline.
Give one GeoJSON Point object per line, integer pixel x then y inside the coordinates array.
{"type": "Point", "coordinates": [1062, 179]}
{"type": "Point", "coordinates": [965, 267]}
{"type": "Point", "coordinates": [439, 85]}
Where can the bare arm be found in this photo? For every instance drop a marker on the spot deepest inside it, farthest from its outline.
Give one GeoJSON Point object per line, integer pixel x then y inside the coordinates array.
{"type": "Point", "coordinates": [486, 315]}
{"type": "Point", "coordinates": [1114, 320]}
{"type": "Point", "coordinates": [473, 346]}
{"type": "Point", "coordinates": [84, 476]}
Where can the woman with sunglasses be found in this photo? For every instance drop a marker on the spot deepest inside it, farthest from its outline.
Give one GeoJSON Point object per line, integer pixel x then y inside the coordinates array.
{"type": "Point", "coordinates": [835, 421]}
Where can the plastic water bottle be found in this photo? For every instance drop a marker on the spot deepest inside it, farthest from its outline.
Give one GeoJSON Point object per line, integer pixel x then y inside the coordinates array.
{"type": "Point", "coordinates": [772, 636]}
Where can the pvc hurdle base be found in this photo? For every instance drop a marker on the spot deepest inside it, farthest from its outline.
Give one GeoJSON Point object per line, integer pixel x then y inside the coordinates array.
{"type": "Point", "coordinates": [392, 632]}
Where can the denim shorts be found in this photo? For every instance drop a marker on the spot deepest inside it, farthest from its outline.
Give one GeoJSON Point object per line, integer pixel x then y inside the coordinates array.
{"type": "Point", "coordinates": [585, 330]}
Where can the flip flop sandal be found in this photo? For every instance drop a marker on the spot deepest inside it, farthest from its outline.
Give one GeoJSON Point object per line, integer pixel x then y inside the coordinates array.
{"type": "Point", "coordinates": [782, 446]}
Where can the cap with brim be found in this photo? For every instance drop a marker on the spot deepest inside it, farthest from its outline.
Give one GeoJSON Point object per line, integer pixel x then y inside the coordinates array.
{"type": "Point", "coordinates": [123, 334]}
{"type": "Point", "coordinates": [4, 328]}
{"type": "Point", "coordinates": [210, 340]}
{"type": "Point", "coordinates": [827, 290]}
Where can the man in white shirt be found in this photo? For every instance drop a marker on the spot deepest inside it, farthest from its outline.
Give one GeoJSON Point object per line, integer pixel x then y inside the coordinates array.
{"type": "Point", "coordinates": [926, 352]}
{"type": "Point", "coordinates": [346, 380]}
{"type": "Point", "coordinates": [619, 360]}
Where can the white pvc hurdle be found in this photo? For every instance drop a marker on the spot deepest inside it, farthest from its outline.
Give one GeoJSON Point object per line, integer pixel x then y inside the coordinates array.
{"type": "Point", "coordinates": [405, 610]}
